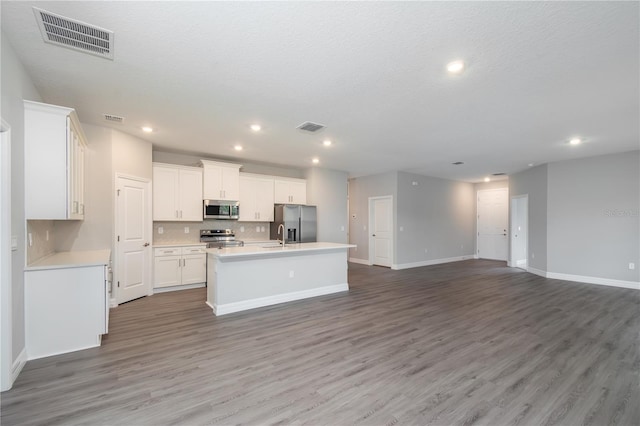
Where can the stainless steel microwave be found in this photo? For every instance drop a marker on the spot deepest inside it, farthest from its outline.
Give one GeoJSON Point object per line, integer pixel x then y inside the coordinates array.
{"type": "Point", "coordinates": [214, 209]}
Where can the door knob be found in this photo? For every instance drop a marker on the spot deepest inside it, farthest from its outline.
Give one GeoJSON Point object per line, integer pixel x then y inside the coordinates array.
{"type": "Point", "coordinates": [373, 235]}
{"type": "Point", "coordinates": [145, 245]}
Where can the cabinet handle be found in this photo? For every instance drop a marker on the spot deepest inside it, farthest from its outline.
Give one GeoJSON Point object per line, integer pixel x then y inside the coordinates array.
{"type": "Point", "coordinates": [180, 214]}
{"type": "Point", "coordinates": [177, 214]}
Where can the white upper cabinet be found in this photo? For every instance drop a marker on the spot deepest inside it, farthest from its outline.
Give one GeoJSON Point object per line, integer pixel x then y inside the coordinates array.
{"type": "Point", "coordinates": [290, 191]}
{"type": "Point", "coordinates": [54, 147]}
{"type": "Point", "coordinates": [256, 198]}
{"type": "Point", "coordinates": [177, 193]}
{"type": "Point", "coordinates": [221, 181]}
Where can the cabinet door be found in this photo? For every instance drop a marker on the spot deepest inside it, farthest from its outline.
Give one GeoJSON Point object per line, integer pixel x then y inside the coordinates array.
{"type": "Point", "coordinates": [247, 199]}
{"type": "Point", "coordinates": [212, 183]}
{"type": "Point", "coordinates": [281, 192]}
{"type": "Point", "coordinates": [298, 192]}
{"type": "Point", "coordinates": [167, 271]}
{"type": "Point", "coordinates": [264, 199]}
{"type": "Point", "coordinates": [194, 268]}
{"type": "Point", "coordinates": [190, 195]}
{"type": "Point", "coordinates": [165, 193]}
{"type": "Point", "coordinates": [230, 183]}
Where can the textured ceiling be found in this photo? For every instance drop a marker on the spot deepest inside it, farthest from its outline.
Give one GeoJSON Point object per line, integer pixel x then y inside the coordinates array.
{"type": "Point", "coordinates": [537, 74]}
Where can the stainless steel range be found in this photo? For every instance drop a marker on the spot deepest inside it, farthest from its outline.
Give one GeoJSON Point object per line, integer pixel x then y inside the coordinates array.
{"type": "Point", "coordinates": [219, 238]}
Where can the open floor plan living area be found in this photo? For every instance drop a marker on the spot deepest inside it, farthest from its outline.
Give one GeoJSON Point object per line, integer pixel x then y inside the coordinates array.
{"type": "Point", "coordinates": [321, 213]}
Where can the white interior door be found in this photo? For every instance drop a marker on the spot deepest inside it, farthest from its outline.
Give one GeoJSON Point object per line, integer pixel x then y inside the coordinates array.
{"type": "Point", "coordinates": [381, 231]}
{"type": "Point", "coordinates": [519, 231]}
{"type": "Point", "coordinates": [493, 221]}
{"type": "Point", "coordinates": [133, 238]}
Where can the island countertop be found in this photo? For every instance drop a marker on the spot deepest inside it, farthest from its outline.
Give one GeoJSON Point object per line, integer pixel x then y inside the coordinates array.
{"type": "Point", "coordinates": [269, 250]}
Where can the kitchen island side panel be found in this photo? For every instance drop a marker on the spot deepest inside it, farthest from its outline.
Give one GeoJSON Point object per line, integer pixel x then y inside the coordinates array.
{"type": "Point", "coordinates": [245, 283]}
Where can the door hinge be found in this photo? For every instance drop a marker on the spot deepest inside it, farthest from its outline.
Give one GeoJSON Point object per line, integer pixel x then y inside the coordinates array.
{"type": "Point", "coordinates": [118, 284]}
{"type": "Point", "coordinates": [118, 238]}
{"type": "Point", "coordinates": [118, 191]}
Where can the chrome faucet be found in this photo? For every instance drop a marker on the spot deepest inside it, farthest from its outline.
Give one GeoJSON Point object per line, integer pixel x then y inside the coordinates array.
{"type": "Point", "coordinates": [281, 226]}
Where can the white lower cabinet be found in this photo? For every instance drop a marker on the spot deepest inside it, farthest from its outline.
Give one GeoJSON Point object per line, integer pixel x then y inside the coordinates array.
{"type": "Point", "coordinates": [66, 309]}
{"type": "Point", "coordinates": [179, 266]}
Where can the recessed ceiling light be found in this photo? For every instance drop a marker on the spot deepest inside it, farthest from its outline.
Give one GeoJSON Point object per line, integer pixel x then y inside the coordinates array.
{"type": "Point", "coordinates": [255, 127]}
{"type": "Point", "coordinates": [530, 164]}
{"type": "Point", "coordinates": [575, 141]}
{"type": "Point", "coordinates": [238, 147]}
{"type": "Point", "coordinates": [487, 179]}
{"type": "Point", "coordinates": [147, 129]}
{"type": "Point", "coordinates": [315, 160]}
{"type": "Point", "coordinates": [326, 142]}
{"type": "Point", "coordinates": [455, 67]}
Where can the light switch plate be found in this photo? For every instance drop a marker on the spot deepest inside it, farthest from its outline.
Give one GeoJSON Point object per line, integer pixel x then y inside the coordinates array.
{"type": "Point", "coordinates": [160, 230]}
{"type": "Point", "coordinates": [186, 229]}
{"type": "Point", "coordinates": [14, 243]}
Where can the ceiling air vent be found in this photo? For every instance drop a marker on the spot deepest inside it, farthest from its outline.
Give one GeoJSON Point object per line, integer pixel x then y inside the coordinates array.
{"type": "Point", "coordinates": [114, 118]}
{"type": "Point", "coordinates": [308, 126]}
{"type": "Point", "coordinates": [76, 35]}
{"type": "Point", "coordinates": [458, 163]}
{"type": "Point", "coordinates": [499, 174]}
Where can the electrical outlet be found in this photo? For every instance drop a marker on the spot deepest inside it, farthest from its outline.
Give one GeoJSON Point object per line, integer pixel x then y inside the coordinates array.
{"type": "Point", "coordinates": [46, 235]}
{"type": "Point", "coordinates": [401, 228]}
{"type": "Point", "coordinates": [364, 227]}
{"type": "Point", "coordinates": [342, 228]}
{"type": "Point", "coordinates": [533, 255]}
{"type": "Point", "coordinates": [257, 229]}
{"type": "Point", "coordinates": [186, 229]}
{"type": "Point", "coordinates": [161, 230]}
{"type": "Point", "coordinates": [262, 229]}
{"type": "Point", "coordinates": [14, 243]}
{"type": "Point", "coordinates": [290, 274]}
{"type": "Point", "coordinates": [426, 251]}
{"type": "Point", "coordinates": [632, 265]}
{"type": "Point", "coordinates": [242, 229]}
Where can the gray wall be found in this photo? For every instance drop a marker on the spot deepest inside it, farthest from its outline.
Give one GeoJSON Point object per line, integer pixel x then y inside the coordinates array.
{"type": "Point", "coordinates": [16, 86]}
{"type": "Point", "coordinates": [327, 189]}
{"type": "Point", "coordinates": [593, 227]}
{"type": "Point", "coordinates": [533, 182]}
{"type": "Point", "coordinates": [360, 189]}
{"type": "Point", "coordinates": [437, 217]}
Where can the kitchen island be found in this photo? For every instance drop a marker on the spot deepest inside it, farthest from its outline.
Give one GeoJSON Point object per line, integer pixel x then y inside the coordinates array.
{"type": "Point", "coordinates": [242, 278]}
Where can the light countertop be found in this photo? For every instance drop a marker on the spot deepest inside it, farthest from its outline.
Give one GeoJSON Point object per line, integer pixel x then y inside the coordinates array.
{"type": "Point", "coordinates": [271, 249]}
{"type": "Point", "coordinates": [177, 244]}
{"type": "Point", "coordinates": [71, 259]}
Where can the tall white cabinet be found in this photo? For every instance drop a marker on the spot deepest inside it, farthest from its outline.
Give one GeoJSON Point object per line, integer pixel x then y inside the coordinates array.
{"type": "Point", "coordinates": [54, 148]}
{"type": "Point", "coordinates": [256, 198]}
{"type": "Point", "coordinates": [177, 193]}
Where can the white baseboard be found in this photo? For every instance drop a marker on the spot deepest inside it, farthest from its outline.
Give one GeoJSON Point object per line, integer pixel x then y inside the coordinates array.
{"type": "Point", "coordinates": [594, 280]}
{"type": "Point", "coordinates": [178, 287]}
{"type": "Point", "coordinates": [113, 303]}
{"type": "Point", "coordinates": [360, 261]}
{"type": "Point", "coordinates": [538, 272]}
{"type": "Point", "coordinates": [229, 308]}
{"type": "Point", "coordinates": [18, 365]}
{"type": "Point", "coordinates": [432, 262]}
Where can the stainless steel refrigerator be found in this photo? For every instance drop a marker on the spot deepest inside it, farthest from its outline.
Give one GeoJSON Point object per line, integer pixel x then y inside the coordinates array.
{"type": "Point", "coordinates": [299, 223]}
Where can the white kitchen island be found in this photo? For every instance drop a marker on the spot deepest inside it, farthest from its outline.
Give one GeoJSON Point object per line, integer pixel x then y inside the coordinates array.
{"type": "Point", "coordinates": [241, 278]}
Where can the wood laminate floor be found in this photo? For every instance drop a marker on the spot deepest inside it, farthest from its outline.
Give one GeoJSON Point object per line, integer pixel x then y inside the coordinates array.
{"type": "Point", "coordinates": [465, 343]}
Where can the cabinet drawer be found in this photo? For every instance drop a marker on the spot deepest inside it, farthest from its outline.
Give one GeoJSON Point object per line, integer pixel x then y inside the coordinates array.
{"type": "Point", "coordinates": [193, 250]}
{"type": "Point", "coordinates": [167, 251]}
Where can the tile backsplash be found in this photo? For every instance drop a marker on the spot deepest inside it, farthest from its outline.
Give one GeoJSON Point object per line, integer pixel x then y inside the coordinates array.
{"type": "Point", "coordinates": [40, 246]}
{"type": "Point", "coordinates": [174, 232]}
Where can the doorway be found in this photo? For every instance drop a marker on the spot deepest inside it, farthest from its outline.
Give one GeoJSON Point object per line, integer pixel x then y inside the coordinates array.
{"type": "Point", "coordinates": [381, 231]}
{"type": "Point", "coordinates": [133, 239]}
{"type": "Point", "coordinates": [493, 221]}
{"type": "Point", "coordinates": [519, 231]}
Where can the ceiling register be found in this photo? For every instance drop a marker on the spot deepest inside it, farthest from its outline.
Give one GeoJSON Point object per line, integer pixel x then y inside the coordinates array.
{"type": "Point", "coordinates": [73, 34]}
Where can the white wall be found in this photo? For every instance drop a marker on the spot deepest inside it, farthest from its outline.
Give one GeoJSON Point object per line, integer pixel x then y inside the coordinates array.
{"type": "Point", "coordinates": [593, 217]}
{"type": "Point", "coordinates": [16, 85]}
{"type": "Point", "coordinates": [327, 189]}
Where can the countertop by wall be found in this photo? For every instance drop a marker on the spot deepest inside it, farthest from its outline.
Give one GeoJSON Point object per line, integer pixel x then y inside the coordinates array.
{"type": "Point", "coordinates": [71, 259]}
